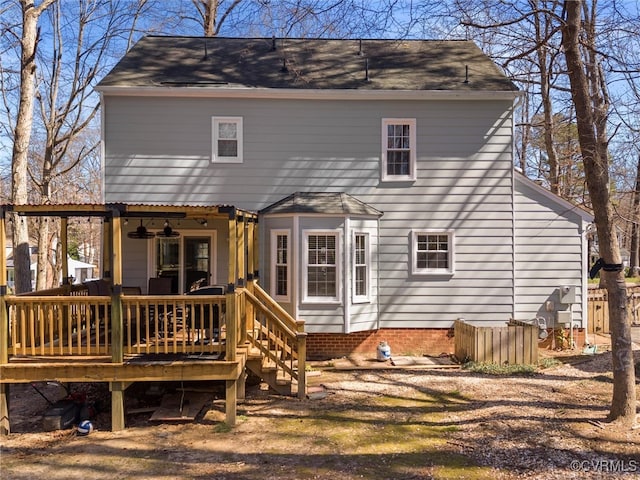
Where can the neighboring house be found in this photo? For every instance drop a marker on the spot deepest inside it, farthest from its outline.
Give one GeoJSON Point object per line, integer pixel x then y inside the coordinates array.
{"type": "Point", "coordinates": [382, 171]}
{"type": "Point", "coordinates": [78, 271]}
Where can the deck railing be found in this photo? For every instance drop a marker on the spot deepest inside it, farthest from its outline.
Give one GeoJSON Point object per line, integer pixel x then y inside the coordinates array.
{"type": "Point", "coordinates": [279, 337]}
{"type": "Point", "coordinates": [80, 325]}
{"type": "Point", "coordinates": [57, 325]}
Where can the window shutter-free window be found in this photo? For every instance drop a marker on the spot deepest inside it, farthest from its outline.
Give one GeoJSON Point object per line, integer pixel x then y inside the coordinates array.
{"type": "Point", "coordinates": [322, 276]}
{"type": "Point", "coordinates": [280, 273]}
{"type": "Point", "coordinates": [360, 267]}
{"type": "Point", "coordinates": [398, 149]}
{"type": "Point", "coordinates": [227, 140]}
{"type": "Point", "coordinates": [432, 252]}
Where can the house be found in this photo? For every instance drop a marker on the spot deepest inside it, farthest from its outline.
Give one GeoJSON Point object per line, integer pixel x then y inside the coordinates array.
{"type": "Point", "coordinates": [382, 171]}
{"type": "Point", "coordinates": [78, 271]}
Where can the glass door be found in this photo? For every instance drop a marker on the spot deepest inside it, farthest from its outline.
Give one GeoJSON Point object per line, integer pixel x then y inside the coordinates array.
{"type": "Point", "coordinates": [185, 260]}
{"type": "Point", "coordinates": [197, 262]}
{"type": "Point", "coordinates": [168, 261]}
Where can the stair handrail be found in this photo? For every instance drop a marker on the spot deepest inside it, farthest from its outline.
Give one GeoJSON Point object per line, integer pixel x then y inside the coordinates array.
{"type": "Point", "coordinates": [285, 323]}
{"type": "Point", "coordinates": [283, 315]}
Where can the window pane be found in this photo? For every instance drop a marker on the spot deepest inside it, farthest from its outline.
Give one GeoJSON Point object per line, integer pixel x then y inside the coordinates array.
{"type": "Point", "coordinates": [361, 280]}
{"type": "Point", "coordinates": [281, 280]}
{"type": "Point", "coordinates": [397, 162]}
{"type": "Point", "coordinates": [228, 148]}
{"type": "Point", "coordinates": [227, 130]}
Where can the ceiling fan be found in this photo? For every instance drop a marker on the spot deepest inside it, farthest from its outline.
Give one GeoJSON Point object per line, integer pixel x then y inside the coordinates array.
{"type": "Point", "coordinates": [167, 231]}
{"type": "Point", "coordinates": [140, 232]}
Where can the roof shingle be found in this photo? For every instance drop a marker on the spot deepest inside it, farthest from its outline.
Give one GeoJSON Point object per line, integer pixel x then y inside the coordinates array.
{"type": "Point", "coordinates": [307, 64]}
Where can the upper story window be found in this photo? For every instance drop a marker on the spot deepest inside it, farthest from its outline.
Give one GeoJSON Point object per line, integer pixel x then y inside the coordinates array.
{"type": "Point", "coordinates": [398, 149]}
{"type": "Point", "coordinates": [432, 252]}
{"type": "Point", "coordinates": [227, 140]}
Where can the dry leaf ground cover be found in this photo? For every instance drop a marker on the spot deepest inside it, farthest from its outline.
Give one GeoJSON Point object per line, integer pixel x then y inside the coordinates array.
{"type": "Point", "coordinates": [372, 424]}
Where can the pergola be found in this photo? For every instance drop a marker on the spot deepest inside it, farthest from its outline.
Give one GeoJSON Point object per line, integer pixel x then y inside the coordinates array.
{"type": "Point", "coordinates": [245, 303]}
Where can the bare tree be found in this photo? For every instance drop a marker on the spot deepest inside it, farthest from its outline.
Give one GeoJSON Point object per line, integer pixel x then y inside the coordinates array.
{"type": "Point", "coordinates": [22, 135]}
{"type": "Point", "coordinates": [590, 98]}
{"type": "Point", "coordinates": [208, 11]}
{"type": "Point", "coordinates": [81, 41]}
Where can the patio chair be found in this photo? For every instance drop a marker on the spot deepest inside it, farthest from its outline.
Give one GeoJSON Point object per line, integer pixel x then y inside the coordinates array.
{"type": "Point", "coordinates": [195, 320]}
{"type": "Point", "coordinates": [160, 286]}
{"type": "Point", "coordinates": [100, 288]}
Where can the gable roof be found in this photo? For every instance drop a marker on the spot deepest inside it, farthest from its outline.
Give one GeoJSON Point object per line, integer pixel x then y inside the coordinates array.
{"type": "Point", "coordinates": [325, 203]}
{"type": "Point", "coordinates": [266, 63]}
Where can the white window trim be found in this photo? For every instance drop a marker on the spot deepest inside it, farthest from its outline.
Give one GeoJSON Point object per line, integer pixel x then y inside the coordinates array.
{"type": "Point", "coordinates": [412, 152]}
{"type": "Point", "coordinates": [274, 263]}
{"type": "Point", "coordinates": [414, 250]}
{"type": "Point", "coordinates": [215, 158]}
{"type": "Point", "coordinates": [306, 298]}
{"type": "Point", "coordinates": [367, 255]}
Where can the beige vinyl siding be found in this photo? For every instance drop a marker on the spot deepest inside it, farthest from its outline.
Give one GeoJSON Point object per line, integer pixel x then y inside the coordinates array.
{"type": "Point", "coordinates": [158, 151]}
{"type": "Point", "coordinates": [549, 253]}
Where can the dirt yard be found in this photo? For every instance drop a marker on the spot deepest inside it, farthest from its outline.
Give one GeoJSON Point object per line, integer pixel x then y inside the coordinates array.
{"type": "Point", "coordinates": [403, 423]}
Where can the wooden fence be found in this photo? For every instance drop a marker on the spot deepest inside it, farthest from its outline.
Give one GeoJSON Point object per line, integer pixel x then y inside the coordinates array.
{"type": "Point", "coordinates": [598, 309]}
{"type": "Point", "coordinates": [512, 344]}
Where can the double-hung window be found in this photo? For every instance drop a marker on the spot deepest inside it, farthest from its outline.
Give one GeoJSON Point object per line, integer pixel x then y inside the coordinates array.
{"type": "Point", "coordinates": [322, 269]}
{"type": "Point", "coordinates": [360, 267]}
{"type": "Point", "coordinates": [432, 252]}
{"type": "Point", "coordinates": [226, 140]}
{"type": "Point", "coordinates": [398, 149]}
{"type": "Point", "coordinates": [281, 271]}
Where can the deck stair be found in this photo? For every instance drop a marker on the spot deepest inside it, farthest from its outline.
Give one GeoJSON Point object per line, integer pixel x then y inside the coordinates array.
{"type": "Point", "coordinates": [277, 345]}
{"type": "Point", "coordinates": [266, 367]}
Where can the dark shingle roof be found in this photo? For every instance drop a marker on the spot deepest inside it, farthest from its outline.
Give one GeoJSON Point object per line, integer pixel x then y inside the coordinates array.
{"type": "Point", "coordinates": [321, 203]}
{"type": "Point", "coordinates": [307, 64]}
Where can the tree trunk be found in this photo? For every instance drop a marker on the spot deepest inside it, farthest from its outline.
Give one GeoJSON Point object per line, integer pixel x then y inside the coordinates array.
{"type": "Point", "coordinates": [591, 110]}
{"type": "Point", "coordinates": [634, 261]}
{"type": "Point", "coordinates": [22, 137]}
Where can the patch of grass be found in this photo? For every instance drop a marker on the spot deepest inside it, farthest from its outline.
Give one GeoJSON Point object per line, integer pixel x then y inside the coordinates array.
{"type": "Point", "coordinates": [222, 427]}
{"type": "Point", "coordinates": [549, 362]}
{"type": "Point", "coordinates": [499, 369]}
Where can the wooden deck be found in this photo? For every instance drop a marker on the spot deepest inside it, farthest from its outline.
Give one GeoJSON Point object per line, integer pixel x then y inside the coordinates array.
{"type": "Point", "coordinates": [122, 339]}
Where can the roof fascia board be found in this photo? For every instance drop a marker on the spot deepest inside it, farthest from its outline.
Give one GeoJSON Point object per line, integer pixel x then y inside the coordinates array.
{"type": "Point", "coordinates": [320, 215]}
{"type": "Point", "coordinates": [308, 94]}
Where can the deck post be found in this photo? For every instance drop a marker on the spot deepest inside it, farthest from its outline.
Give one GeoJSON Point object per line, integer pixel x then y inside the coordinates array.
{"type": "Point", "coordinates": [5, 427]}
{"type": "Point", "coordinates": [117, 336]}
{"type": "Point", "coordinates": [302, 361]}
{"type": "Point", "coordinates": [117, 406]}
{"type": "Point", "coordinates": [250, 314]}
{"type": "Point", "coordinates": [231, 401]}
